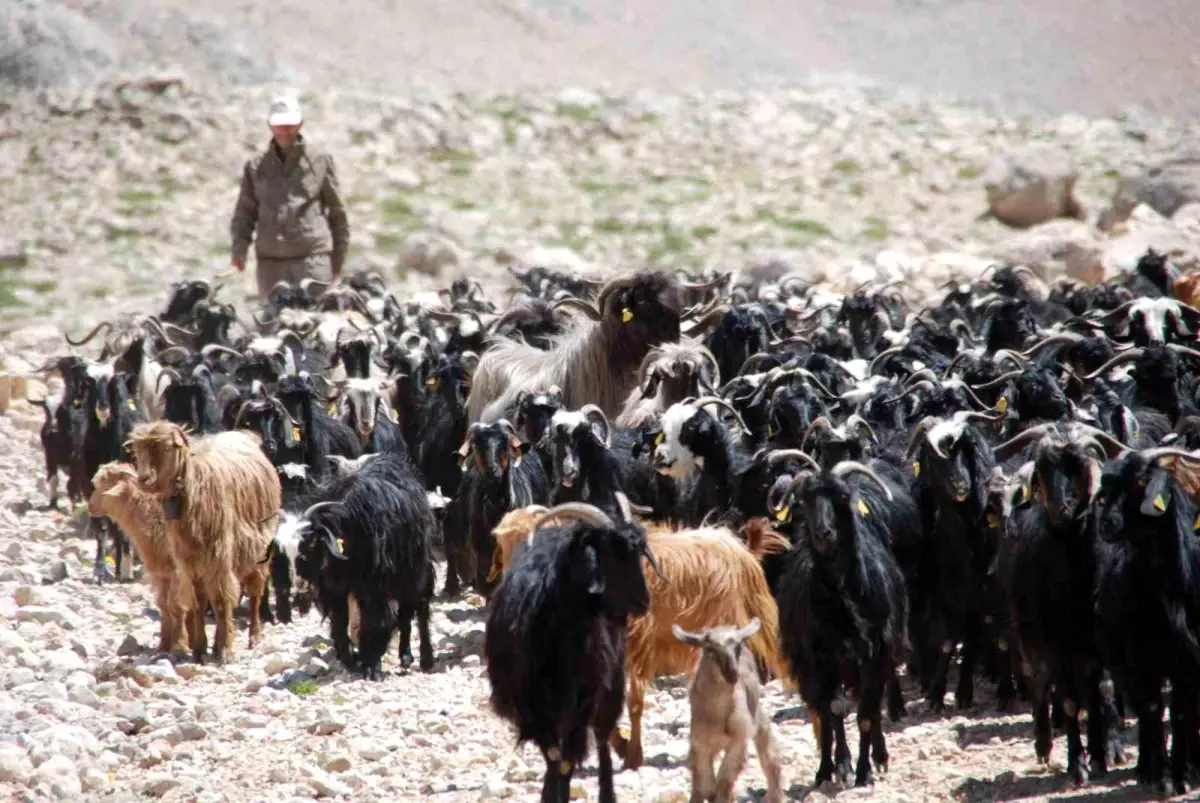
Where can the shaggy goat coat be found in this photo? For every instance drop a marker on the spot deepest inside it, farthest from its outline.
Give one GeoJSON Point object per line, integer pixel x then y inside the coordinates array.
{"type": "Point", "coordinates": [712, 579]}
{"type": "Point", "coordinates": [228, 493]}
{"type": "Point", "coordinates": [140, 516]}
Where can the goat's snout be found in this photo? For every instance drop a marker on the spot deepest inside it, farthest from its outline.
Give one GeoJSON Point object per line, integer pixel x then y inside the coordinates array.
{"type": "Point", "coordinates": [102, 414]}
{"type": "Point", "coordinates": [146, 478]}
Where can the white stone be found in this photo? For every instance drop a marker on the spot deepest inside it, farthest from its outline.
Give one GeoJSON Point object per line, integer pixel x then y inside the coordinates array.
{"type": "Point", "coordinates": [59, 773]}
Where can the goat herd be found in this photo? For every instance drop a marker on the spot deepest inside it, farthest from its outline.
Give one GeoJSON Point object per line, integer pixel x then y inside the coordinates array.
{"type": "Point", "coordinates": [736, 478]}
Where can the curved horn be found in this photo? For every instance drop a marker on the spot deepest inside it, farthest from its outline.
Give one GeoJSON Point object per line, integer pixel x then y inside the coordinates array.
{"type": "Point", "coordinates": [105, 325]}
{"type": "Point", "coordinates": [711, 317]}
{"type": "Point", "coordinates": [182, 351]}
{"type": "Point", "coordinates": [1112, 446]}
{"type": "Point", "coordinates": [589, 410]}
{"type": "Point", "coordinates": [1170, 451]}
{"type": "Point", "coordinates": [580, 511]}
{"type": "Point", "coordinates": [1120, 359]}
{"type": "Point", "coordinates": [1015, 443]}
{"type": "Point", "coordinates": [796, 482]}
{"type": "Point", "coordinates": [217, 347]}
{"type": "Point", "coordinates": [169, 373]}
{"type": "Point", "coordinates": [318, 506]}
{"type": "Point", "coordinates": [854, 467]}
{"type": "Point", "coordinates": [856, 420]}
{"type": "Point", "coordinates": [1052, 340]}
{"type": "Point", "coordinates": [779, 455]}
{"type": "Point", "coordinates": [581, 305]}
{"type": "Point", "coordinates": [155, 326]}
{"type": "Point", "coordinates": [1184, 350]}
{"type": "Point", "coordinates": [704, 285]}
{"type": "Point", "coordinates": [997, 381]}
{"type": "Point", "coordinates": [821, 424]}
{"type": "Point", "coordinates": [919, 433]}
{"type": "Point", "coordinates": [1003, 355]}
{"type": "Point", "coordinates": [717, 400]}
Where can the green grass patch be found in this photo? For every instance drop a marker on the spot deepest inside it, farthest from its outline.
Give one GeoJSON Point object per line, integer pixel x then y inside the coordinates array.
{"type": "Point", "coordinates": [857, 189]}
{"type": "Point", "coordinates": [607, 188]}
{"type": "Point", "coordinates": [877, 229]}
{"type": "Point", "coordinates": [577, 113]}
{"type": "Point", "coordinates": [8, 295]}
{"type": "Point", "coordinates": [397, 210]}
{"type": "Point", "coordinates": [303, 688]}
{"type": "Point", "coordinates": [99, 292]}
{"type": "Point", "coordinates": [137, 197]}
{"type": "Point", "coordinates": [798, 225]}
{"type": "Point", "coordinates": [43, 285]}
{"type": "Point", "coordinates": [610, 225]}
{"type": "Point", "coordinates": [847, 166]}
{"type": "Point", "coordinates": [388, 242]}
{"type": "Point", "coordinates": [463, 205]}
{"type": "Point", "coordinates": [569, 236]}
{"type": "Point", "coordinates": [969, 172]}
{"type": "Point", "coordinates": [704, 233]}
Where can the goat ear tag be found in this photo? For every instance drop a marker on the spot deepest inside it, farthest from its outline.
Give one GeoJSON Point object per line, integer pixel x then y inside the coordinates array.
{"type": "Point", "coordinates": [658, 439]}
{"type": "Point", "coordinates": [341, 545]}
{"type": "Point", "coordinates": [1002, 404]}
{"type": "Point", "coordinates": [1157, 498]}
{"type": "Point", "coordinates": [296, 436]}
{"type": "Point", "coordinates": [626, 315]}
{"type": "Point", "coordinates": [993, 520]}
{"type": "Point", "coordinates": [131, 405]}
{"type": "Point", "coordinates": [863, 509]}
{"type": "Point", "coordinates": [916, 468]}
{"type": "Point", "coordinates": [783, 513]}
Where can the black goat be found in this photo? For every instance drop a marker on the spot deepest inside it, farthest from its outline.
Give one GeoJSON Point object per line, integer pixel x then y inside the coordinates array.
{"type": "Point", "coordinates": [556, 634]}
{"type": "Point", "coordinates": [1148, 602]}
{"type": "Point", "coordinates": [1047, 568]}
{"type": "Point", "coordinates": [497, 478]}
{"type": "Point", "coordinates": [369, 535]}
{"type": "Point", "coordinates": [696, 447]}
{"type": "Point", "coordinates": [321, 436]}
{"type": "Point", "coordinates": [843, 610]}
{"type": "Point", "coordinates": [953, 466]}
{"type": "Point", "coordinates": [592, 464]}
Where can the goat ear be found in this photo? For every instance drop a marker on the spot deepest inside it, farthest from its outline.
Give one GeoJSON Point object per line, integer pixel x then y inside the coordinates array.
{"type": "Point", "coordinates": [1158, 493]}
{"type": "Point", "coordinates": [1094, 474]}
{"type": "Point", "coordinates": [179, 438]}
{"type": "Point", "coordinates": [113, 491]}
{"type": "Point", "coordinates": [518, 447]}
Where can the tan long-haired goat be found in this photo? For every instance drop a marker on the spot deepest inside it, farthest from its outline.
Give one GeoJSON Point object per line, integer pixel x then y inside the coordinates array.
{"type": "Point", "coordinates": [219, 495]}
{"type": "Point", "coordinates": [725, 694]}
{"type": "Point", "coordinates": [712, 578]}
{"type": "Point", "coordinates": [117, 495]}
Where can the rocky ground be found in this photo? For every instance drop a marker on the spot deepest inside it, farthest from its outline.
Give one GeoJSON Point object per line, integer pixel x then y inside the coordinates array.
{"type": "Point", "coordinates": [111, 193]}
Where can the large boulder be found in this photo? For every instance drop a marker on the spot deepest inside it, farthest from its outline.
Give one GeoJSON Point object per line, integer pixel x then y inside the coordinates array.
{"type": "Point", "coordinates": [1120, 249]}
{"type": "Point", "coordinates": [49, 44]}
{"type": "Point", "coordinates": [1166, 187]}
{"type": "Point", "coordinates": [1031, 185]}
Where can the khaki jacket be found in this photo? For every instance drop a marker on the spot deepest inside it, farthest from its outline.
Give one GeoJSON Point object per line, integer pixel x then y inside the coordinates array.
{"type": "Point", "coordinates": [295, 205]}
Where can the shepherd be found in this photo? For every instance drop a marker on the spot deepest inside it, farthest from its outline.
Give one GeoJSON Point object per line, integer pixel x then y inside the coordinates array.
{"type": "Point", "coordinates": [290, 195]}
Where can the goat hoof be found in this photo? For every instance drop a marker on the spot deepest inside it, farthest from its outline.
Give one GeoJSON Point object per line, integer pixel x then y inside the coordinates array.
{"type": "Point", "coordinates": [373, 672]}
{"type": "Point", "coordinates": [864, 779]}
{"type": "Point", "coordinates": [824, 776]}
{"type": "Point", "coordinates": [427, 664]}
{"type": "Point", "coordinates": [406, 659]}
{"type": "Point", "coordinates": [101, 574]}
{"type": "Point", "coordinates": [1097, 768]}
{"type": "Point", "coordinates": [1078, 774]}
{"type": "Point", "coordinates": [1116, 754]}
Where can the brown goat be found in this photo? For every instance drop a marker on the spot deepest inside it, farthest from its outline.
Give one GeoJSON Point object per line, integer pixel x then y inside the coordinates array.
{"type": "Point", "coordinates": [593, 363]}
{"type": "Point", "coordinates": [725, 694]}
{"type": "Point", "coordinates": [220, 495]}
{"type": "Point", "coordinates": [117, 495]}
{"type": "Point", "coordinates": [712, 579]}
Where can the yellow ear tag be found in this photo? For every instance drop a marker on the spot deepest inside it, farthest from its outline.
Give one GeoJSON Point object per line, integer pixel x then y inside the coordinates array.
{"type": "Point", "coordinates": [332, 408]}
{"type": "Point", "coordinates": [395, 417]}
{"type": "Point", "coordinates": [658, 439]}
{"type": "Point", "coordinates": [916, 468]}
{"type": "Point", "coordinates": [863, 509]}
{"type": "Point", "coordinates": [431, 382]}
{"type": "Point", "coordinates": [783, 513]}
{"type": "Point", "coordinates": [1002, 405]}
{"type": "Point", "coordinates": [1196, 523]}
{"type": "Point", "coordinates": [296, 436]}
{"type": "Point", "coordinates": [770, 431]}
{"type": "Point", "coordinates": [626, 315]}
{"type": "Point", "coordinates": [340, 545]}
{"type": "Point", "coordinates": [1024, 493]}
{"type": "Point", "coordinates": [993, 520]}
{"type": "Point", "coordinates": [1160, 504]}
{"type": "Point", "coordinates": [131, 405]}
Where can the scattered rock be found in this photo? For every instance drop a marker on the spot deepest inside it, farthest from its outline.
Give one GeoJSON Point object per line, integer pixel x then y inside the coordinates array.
{"type": "Point", "coordinates": [133, 718]}
{"type": "Point", "coordinates": [427, 253]}
{"type": "Point", "coordinates": [59, 773]}
{"type": "Point", "coordinates": [327, 724]}
{"type": "Point", "coordinates": [158, 785]}
{"type": "Point", "coordinates": [1165, 186]}
{"type": "Point", "coordinates": [1031, 185]}
{"type": "Point", "coordinates": [337, 763]}
{"type": "Point", "coordinates": [15, 766]}
{"type": "Point", "coordinates": [57, 572]}
{"type": "Point", "coordinates": [13, 254]}
{"type": "Point", "coordinates": [325, 786]}
{"type": "Point", "coordinates": [129, 646]}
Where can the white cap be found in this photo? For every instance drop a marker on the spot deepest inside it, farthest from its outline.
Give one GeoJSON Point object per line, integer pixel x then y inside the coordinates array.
{"type": "Point", "coordinates": [285, 110]}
